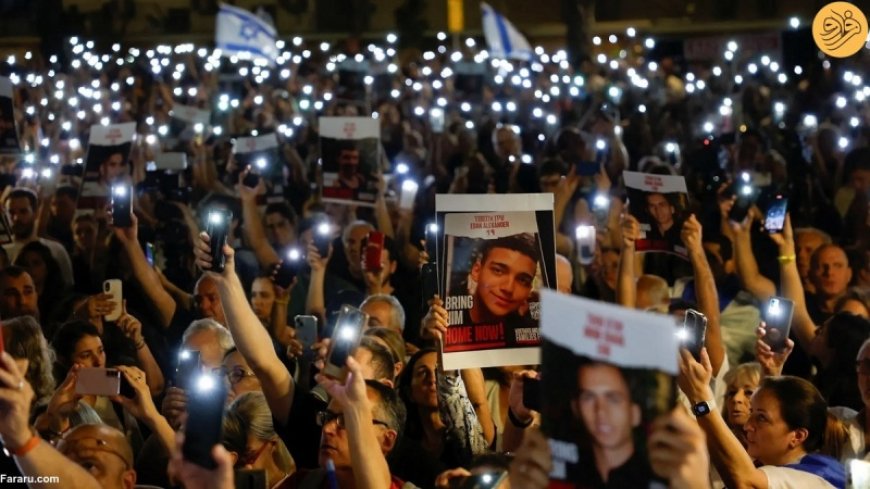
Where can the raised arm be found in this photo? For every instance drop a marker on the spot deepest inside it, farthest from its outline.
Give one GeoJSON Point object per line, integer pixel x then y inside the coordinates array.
{"type": "Point", "coordinates": [144, 274]}
{"type": "Point", "coordinates": [626, 281]}
{"type": "Point", "coordinates": [255, 235]}
{"type": "Point", "coordinates": [747, 267]}
{"type": "Point", "coordinates": [315, 304]}
{"type": "Point", "coordinates": [370, 469]}
{"type": "Point", "coordinates": [802, 323]}
{"type": "Point", "coordinates": [34, 456]}
{"type": "Point", "coordinates": [705, 287]}
{"type": "Point", "coordinates": [248, 334]}
{"type": "Point", "coordinates": [728, 455]}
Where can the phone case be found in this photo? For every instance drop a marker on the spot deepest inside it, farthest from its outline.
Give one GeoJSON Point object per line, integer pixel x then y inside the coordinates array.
{"type": "Point", "coordinates": [114, 287]}
{"type": "Point", "coordinates": [532, 394]}
{"type": "Point", "coordinates": [122, 208]}
{"type": "Point", "coordinates": [203, 431]}
{"type": "Point", "coordinates": [217, 230]}
{"type": "Point", "coordinates": [186, 369]}
{"type": "Point", "coordinates": [777, 320]}
{"type": "Point", "coordinates": [345, 338]}
{"type": "Point", "coordinates": [374, 251]}
{"type": "Point", "coordinates": [306, 331]}
{"type": "Point", "coordinates": [98, 381]}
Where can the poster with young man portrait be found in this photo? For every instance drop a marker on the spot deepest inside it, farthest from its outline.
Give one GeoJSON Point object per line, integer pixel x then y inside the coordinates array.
{"type": "Point", "coordinates": [607, 372]}
{"type": "Point", "coordinates": [495, 254]}
{"type": "Point", "coordinates": [659, 203]}
{"type": "Point", "coordinates": [349, 153]}
{"type": "Point", "coordinates": [106, 164]}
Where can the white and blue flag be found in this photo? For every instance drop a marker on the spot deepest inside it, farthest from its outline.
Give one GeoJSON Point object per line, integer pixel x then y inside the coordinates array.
{"type": "Point", "coordinates": [504, 40]}
{"type": "Point", "coordinates": [239, 31]}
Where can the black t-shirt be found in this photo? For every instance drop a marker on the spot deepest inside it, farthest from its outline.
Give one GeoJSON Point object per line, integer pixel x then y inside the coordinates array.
{"type": "Point", "coordinates": [635, 473]}
{"type": "Point", "coordinates": [301, 433]}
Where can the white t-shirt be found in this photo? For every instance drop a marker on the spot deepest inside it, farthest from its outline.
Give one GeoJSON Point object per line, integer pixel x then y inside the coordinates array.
{"type": "Point", "coordinates": [788, 478]}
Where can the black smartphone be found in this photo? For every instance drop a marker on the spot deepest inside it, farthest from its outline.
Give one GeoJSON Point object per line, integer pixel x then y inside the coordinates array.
{"type": "Point", "coordinates": [487, 480]}
{"type": "Point", "coordinates": [431, 241]}
{"type": "Point", "coordinates": [532, 394]}
{"type": "Point", "coordinates": [187, 367]}
{"type": "Point", "coordinates": [429, 278]}
{"type": "Point", "coordinates": [747, 194]}
{"type": "Point", "coordinates": [122, 208]}
{"type": "Point", "coordinates": [306, 331]}
{"type": "Point", "coordinates": [251, 180]}
{"type": "Point", "coordinates": [775, 220]}
{"type": "Point", "coordinates": [323, 238]}
{"type": "Point", "coordinates": [127, 389]}
{"type": "Point", "coordinates": [206, 398]}
{"type": "Point", "coordinates": [777, 319]}
{"type": "Point", "coordinates": [290, 266]}
{"type": "Point", "coordinates": [218, 228]}
{"type": "Point", "coordinates": [345, 338]}
{"type": "Point", "coordinates": [694, 332]}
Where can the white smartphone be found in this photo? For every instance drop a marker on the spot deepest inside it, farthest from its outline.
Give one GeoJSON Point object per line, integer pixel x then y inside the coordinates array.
{"type": "Point", "coordinates": [98, 381]}
{"type": "Point", "coordinates": [113, 287]}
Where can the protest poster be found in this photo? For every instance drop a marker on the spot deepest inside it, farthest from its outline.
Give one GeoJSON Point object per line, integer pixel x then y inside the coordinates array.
{"type": "Point", "coordinates": [659, 203]}
{"type": "Point", "coordinates": [494, 255]}
{"type": "Point", "coordinates": [261, 154]}
{"type": "Point", "coordinates": [9, 143]}
{"type": "Point", "coordinates": [105, 163]}
{"type": "Point", "coordinates": [607, 372]}
{"type": "Point", "coordinates": [349, 152]}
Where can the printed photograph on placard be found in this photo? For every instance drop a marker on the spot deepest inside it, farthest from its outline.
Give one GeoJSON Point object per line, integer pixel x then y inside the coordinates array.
{"type": "Point", "coordinates": [607, 373]}
{"type": "Point", "coordinates": [106, 163]}
{"type": "Point", "coordinates": [493, 268]}
{"type": "Point", "coordinates": [349, 152]}
{"type": "Point", "coordinates": [659, 203]}
{"type": "Point", "coordinates": [9, 143]}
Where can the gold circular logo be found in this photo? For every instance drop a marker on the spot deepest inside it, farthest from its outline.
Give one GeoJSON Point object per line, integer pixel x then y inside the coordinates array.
{"type": "Point", "coordinates": [840, 29]}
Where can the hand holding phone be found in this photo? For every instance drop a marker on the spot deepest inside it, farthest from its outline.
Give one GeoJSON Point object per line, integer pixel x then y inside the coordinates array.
{"type": "Point", "coordinates": [775, 219]}
{"type": "Point", "coordinates": [532, 394]}
{"type": "Point", "coordinates": [777, 318]}
{"type": "Point", "coordinates": [345, 339]}
{"type": "Point", "coordinates": [98, 381]}
{"type": "Point", "coordinates": [187, 368]}
{"type": "Point", "coordinates": [289, 268]}
{"type": "Point", "coordinates": [694, 332]}
{"type": "Point", "coordinates": [585, 237]}
{"type": "Point", "coordinates": [205, 401]}
{"type": "Point", "coordinates": [374, 251]}
{"type": "Point", "coordinates": [113, 287]}
{"type": "Point", "coordinates": [218, 228]}
{"type": "Point", "coordinates": [122, 208]}
{"type": "Point", "coordinates": [323, 238]}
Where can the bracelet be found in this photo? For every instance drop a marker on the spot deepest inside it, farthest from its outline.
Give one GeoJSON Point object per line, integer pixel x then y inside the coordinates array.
{"type": "Point", "coordinates": [140, 345]}
{"type": "Point", "coordinates": [786, 258]}
{"type": "Point", "coordinates": [282, 303]}
{"type": "Point", "coordinates": [517, 421]}
{"type": "Point", "coordinates": [24, 449]}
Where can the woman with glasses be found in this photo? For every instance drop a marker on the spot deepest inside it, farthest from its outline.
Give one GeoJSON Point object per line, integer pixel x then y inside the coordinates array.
{"type": "Point", "coordinates": [240, 378]}
{"type": "Point", "coordinates": [248, 434]}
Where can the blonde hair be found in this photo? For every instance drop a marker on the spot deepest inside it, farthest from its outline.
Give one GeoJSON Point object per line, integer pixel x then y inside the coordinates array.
{"type": "Point", "coordinates": [745, 373]}
{"type": "Point", "coordinates": [249, 415]}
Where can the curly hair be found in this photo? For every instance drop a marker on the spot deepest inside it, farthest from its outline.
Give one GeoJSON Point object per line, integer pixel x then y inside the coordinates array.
{"type": "Point", "coordinates": [24, 341]}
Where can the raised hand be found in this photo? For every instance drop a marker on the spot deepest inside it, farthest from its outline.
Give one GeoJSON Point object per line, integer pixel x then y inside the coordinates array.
{"type": "Point", "coordinates": [435, 323]}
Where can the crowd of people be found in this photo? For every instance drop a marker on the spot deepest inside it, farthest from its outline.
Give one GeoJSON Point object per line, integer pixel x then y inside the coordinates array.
{"type": "Point", "coordinates": [453, 121]}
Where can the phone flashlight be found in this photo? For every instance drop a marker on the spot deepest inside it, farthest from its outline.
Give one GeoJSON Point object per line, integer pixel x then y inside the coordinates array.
{"type": "Point", "coordinates": [773, 309]}
{"type": "Point", "coordinates": [46, 173]}
{"type": "Point", "coordinates": [671, 147]}
{"type": "Point", "coordinates": [600, 145]}
{"type": "Point", "coordinates": [409, 193]}
{"type": "Point", "coordinates": [184, 355]}
{"type": "Point", "coordinates": [600, 201]}
{"type": "Point", "coordinates": [150, 139]}
{"type": "Point", "coordinates": [27, 173]}
{"type": "Point", "coordinates": [206, 383]}
{"type": "Point", "coordinates": [261, 163]}
{"type": "Point", "coordinates": [198, 128]}
{"type": "Point", "coordinates": [119, 190]}
{"type": "Point", "coordinates": [402, 168]}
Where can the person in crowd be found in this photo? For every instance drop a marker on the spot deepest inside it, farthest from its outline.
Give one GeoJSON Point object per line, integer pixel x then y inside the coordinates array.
{"type": "Point", "coordinates": [19, 295]}
{"type": "Point", "coordinates": [785, 432]}
{"type": "Point", "coordinates": [24, 341]}
{"type": "Point", "coordinates": [63, 205]}
{"type": "Point", "coordinates": [250, 438]}
{"type": "Point", "coordinates": [740, 383]}
{"type": "Point", "coordinates": [36, 259]}
{"type": "Point", "coordinates": [22, 206]}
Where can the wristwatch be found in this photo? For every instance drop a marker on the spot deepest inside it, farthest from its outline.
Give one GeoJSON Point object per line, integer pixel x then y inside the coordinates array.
{"type": "Point", "coordinates": [703, 408]}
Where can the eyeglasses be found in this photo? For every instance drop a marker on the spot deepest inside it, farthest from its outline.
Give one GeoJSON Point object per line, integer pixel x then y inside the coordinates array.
{"type": "Point", "coordinates": [238, 374]}
{"type": "Point", "coordinates": [79, 447]}
{"type": "Point", "coordinates": [251, 458]}
{"type": "Point", "coordinates": [326, 417]}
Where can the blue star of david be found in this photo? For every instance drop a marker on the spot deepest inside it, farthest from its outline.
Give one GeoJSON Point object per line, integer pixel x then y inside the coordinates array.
{"type": "Point", "coordinates": [248, 31]}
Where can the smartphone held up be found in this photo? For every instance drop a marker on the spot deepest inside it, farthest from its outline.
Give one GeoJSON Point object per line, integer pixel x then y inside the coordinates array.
{"type": "Point", "coordinates": [218, 228]}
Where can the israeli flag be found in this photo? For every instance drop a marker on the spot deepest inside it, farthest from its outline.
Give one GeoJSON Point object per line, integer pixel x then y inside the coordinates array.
{"type": "Point", "coordinates": [504, 40]}
{"type": "Point", "coordinates": [239, 31]}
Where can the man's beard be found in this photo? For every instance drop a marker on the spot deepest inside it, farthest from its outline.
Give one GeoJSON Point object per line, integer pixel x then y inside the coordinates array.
{"type": "Point", "coordinates": [22, 231]}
